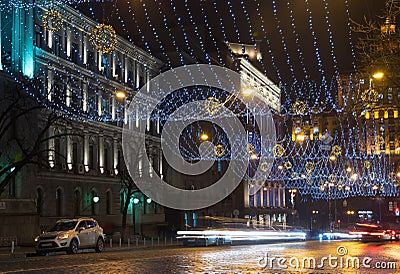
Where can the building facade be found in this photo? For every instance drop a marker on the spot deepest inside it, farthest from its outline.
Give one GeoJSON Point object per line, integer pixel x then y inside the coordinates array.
{"type": "Point", "coordinates": [92, 88]}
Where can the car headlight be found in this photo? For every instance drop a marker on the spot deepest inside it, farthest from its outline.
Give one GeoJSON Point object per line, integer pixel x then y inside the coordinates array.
{"type": "Point", "coordinates": [62, 237]}
{"type": "Point", "coordinates": [37, 239]}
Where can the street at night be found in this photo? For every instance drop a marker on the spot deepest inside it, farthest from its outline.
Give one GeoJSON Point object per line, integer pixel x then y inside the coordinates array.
{"type": "Point", "coordinates": [346, 257]}
{"type": "Point", "coordinates": [171, 136]}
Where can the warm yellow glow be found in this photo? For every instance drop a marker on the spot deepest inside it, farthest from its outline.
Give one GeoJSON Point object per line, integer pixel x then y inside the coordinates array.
{"type": "Point", "coordinates": [254, 156]}
{"type": "Point", "coordinates": [378, 75]}
{"type": "Point", "coordinates": [120, 94]}
{"type": "Point", "coordinates": [348, 169]}
{"type": "Point", "coordinates": [386, 114]}
{"type": "Point", "coordinates": [280, 167]}
{"type": "Point", "coordinates": [248, 90]}
{"type": "Point", "coordinates": [367, 116]}
{"type": "Point", "coordinates": [376, 114]}
{"type": "Point", "coordinates": [350, 212]}
{"type": "Point", "coordinates": [332, 157]}
{"type": "Point", "coordinates": [354, 176]}
{"type": "Point", "coordinates": [398, 174]}
{"type": "Point", "coordinates": [300, 138]}
{"type": "Point", "coordinates": [204, 137]}
{"type": "Point", "coordinates": [396, 114]}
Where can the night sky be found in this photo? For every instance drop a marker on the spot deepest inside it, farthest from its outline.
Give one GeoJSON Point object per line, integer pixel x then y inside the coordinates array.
{"type": "Point", "coordinates": [286, 35]}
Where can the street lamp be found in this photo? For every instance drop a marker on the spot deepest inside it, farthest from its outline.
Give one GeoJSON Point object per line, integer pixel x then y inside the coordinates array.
{"type": "Point", "coordinates": [378, 75]}
{"type": "Point", "coordinates": [292, 195]}
{"type": "Point", "coordinates": [313, 218]}
{"type": "Point", "coordinates": [349, 212]}
{"type": "Point", "coordinates": [204, 137]}
{"type": "Point", "coordinates": [120, 94]}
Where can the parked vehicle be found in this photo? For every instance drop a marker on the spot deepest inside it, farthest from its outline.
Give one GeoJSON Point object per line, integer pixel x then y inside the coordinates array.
{"type": "Point", "coordinates": [70, 235]}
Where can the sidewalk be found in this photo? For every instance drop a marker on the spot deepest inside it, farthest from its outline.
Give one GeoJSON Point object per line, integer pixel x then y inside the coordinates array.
{"type": "Point", "coordinates": [29, 251]}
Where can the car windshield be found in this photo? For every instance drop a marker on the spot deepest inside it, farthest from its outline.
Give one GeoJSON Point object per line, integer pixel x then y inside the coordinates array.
{"type": "Point", "coordinates": [63, 226]}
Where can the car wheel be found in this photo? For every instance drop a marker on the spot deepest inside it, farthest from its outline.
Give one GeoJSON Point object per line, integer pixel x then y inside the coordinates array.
{"type": "Point", "coordinates": [99, 245]}
{"type": "Point", "coordinates": [73, 247]}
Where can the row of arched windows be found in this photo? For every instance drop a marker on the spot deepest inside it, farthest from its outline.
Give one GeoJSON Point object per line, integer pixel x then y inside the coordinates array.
{"type": "Point", "coordinates": [92, 207]}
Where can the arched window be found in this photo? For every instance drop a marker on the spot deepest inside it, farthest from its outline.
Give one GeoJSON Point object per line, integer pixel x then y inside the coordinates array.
{"type": "Point", "coordinates": [77, 202]}
{"type": "Point", "coordinates": [59, 202]}
{"type": "Point", "coordinates": [39, 201]}
{"type": "Point", "coordinates": [108, 202]}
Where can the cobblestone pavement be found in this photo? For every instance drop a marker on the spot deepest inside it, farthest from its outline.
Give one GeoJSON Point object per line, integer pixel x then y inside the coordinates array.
{"type": "Point", "coordinates": [221, 259]}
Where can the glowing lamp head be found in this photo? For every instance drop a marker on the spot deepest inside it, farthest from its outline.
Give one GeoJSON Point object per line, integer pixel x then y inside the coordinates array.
{"type": "Point", "coordinates": [204, 137]}
{"type": "Point", "coordinates": [247, 90]}
{"type": "Point", "coordinates": [96, 199]}
{"type": "Point", "coordinates": [254, 156]}
{"type": "Point", "coordinates": [135, 201]}
{"type": "Point", "coordinates": [148, 200]}
{"type": "Point", "coordinates": [378, 75]}
{"type": "Point", "coordinates": [120, 94]}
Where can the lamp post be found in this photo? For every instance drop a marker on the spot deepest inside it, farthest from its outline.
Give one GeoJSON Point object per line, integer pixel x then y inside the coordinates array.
{"type": "Point", "coordinates": [292, 192]}
{"type": "Point", "coordinates": [349, 212]}
{"type": "Point", "coordinates": [135, 202]}
{"type": "Point", "coordinates": [313, 218]}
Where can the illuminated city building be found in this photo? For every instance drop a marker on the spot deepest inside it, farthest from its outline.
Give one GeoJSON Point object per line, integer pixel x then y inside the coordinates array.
{"type": "Point", "coordinates": [92, 85]}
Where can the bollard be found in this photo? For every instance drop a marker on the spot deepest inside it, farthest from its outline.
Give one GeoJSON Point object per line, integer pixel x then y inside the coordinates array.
{"type": "Point", "coordinates": [137, 242]}
{"type": "Point", "coordinates": [152, 241]}
{"type": "Point", "coordinates": [110, 242]}
{"type": "Point", "coordinates": [120, 242]}
{"type": "Point", "coordinates": [129, 242]}
{"type": "Point", "coordinates": [158, 240]}
{"type": "Point", "coordinates": [171, 240]}
{"type": "Point", "coordinates": [12, 247]}
{"type": "Point", "coordinates": [144, 241]}
{"type": "Point", "coordinates": [165, 238]}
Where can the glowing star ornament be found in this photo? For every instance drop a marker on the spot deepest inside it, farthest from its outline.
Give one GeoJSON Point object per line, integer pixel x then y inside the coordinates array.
{"type": "Point", "coordinates": [212, 105]}
{"type": "Point", "coordinates": [288, 165]}
{"type": "Point", "coordinates": [250, 148]}
{"type": "Point", "coordinates": [337, 150]}
{"type": "Point", "coordinates": [103, 38]}
{"type": "Point", "coordinates": [309, 166]}
{"type": "Point", "coordinates": [367, 164]}
{"type": "Point", "coordinates": [52, 20]}
{"type": "Point", "coordinates": [299, 108]}
{"type": "Point", "coordinates": [278, 150]}
{"type": "Point", "coordinates": [219, 150]}
{"type": "Point", "coordinates": [264, 167]}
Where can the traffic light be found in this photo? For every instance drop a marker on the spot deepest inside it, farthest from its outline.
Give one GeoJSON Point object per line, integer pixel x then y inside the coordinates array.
{"type": "Point", "coordinates": [397, 211]}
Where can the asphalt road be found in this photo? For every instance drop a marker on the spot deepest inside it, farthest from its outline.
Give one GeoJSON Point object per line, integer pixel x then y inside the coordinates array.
{"type": "Point", "coordinates": [299, 257]}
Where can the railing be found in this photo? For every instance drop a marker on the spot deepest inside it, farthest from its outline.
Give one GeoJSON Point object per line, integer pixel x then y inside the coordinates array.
{"type": "Point", "coordinates": [7, 241]}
